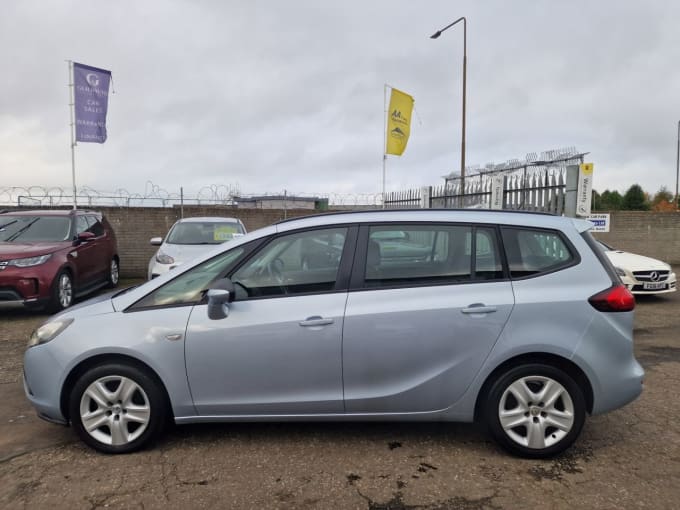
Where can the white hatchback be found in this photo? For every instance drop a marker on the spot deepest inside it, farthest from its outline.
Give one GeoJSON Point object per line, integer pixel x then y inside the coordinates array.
{"type": "Point", "coordinates": [189, 238]}
{"type": "Point", "coordinates": [642, 275]}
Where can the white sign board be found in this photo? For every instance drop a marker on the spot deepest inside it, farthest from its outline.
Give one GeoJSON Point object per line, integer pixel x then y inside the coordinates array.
{"type": "Point", "coordinates": [600, 222]}
{"type": "Point", "coordinates": [497, 191]}
{"type": "Point", "coordinates": [584, 193]}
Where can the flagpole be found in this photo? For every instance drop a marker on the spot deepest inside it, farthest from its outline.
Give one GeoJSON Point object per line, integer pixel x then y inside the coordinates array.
{"type": "Point", "coordinates": [71, 104]}
{"type": "Point", "coordinates": [384, 142]}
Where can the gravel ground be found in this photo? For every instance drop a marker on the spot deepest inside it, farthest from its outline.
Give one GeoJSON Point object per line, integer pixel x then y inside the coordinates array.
{"type": "Point", "coordinates": [626, 459]}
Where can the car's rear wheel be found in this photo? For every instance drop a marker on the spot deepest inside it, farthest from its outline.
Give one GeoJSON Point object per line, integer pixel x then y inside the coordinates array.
{"type": "Point", "coordinates": [114, 273]}
{"type": "Point", "coordinates": [117, 408]}
{"type": "Point", "coordinates": [62, 292]}
{"type": "Point", "coordinates": [535, 410]}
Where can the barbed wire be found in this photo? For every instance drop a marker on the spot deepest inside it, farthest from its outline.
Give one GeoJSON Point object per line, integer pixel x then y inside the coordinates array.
{"type": "Point", "coordinates": [156, 196]}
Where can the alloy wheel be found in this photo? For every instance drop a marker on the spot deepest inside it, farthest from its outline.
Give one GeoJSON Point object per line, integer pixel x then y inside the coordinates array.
{"type": "Point", "coordinates": [115, 410]}
{"type": "Point", "coordinates": [114, 273]}
{"type": "Point", "coordinates": [65, 290]}
{"type": "Point", "coordinates": [536, 412]}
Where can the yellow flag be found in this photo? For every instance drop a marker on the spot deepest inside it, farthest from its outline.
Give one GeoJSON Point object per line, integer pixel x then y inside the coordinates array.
{"type": "Point", "coordinates": [398, 122]}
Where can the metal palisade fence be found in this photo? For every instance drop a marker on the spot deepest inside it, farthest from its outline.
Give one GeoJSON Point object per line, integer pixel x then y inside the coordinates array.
{"type": "Point", "coordinates": [532, 184]}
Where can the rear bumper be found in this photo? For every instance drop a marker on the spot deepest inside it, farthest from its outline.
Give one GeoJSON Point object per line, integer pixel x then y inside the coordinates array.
{"type": "Point", "coordinates": [605, 354]}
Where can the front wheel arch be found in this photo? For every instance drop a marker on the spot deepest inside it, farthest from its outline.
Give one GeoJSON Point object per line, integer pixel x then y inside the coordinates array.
{"type": "Point", "coordinates": [569, 367]}
{"type": "Point", "coordinates": [101, 359]}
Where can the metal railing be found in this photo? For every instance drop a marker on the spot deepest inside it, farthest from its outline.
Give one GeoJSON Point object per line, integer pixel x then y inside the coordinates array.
{"type": "Point", "coordinates": [531, 184]}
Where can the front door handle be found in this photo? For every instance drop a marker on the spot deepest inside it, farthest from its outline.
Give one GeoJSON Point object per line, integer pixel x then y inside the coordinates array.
{"type": "Point", "coordinates": [316, 320]}
{"type": "Point", "coordinates": [479, 308]}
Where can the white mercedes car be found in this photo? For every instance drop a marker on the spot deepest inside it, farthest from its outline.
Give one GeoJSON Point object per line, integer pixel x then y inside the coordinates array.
{"type": "Point", "coordinates": [642, 275]}
{"type": "Point", "coordinates": [190, 237]}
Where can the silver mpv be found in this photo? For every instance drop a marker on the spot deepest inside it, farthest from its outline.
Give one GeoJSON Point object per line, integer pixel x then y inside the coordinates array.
{"type": "Point", "coordinates": [514, 320]}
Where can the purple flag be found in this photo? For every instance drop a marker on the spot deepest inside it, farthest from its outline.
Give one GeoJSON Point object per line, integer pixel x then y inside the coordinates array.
{"type": "Point", "coordinates": [91, 95]}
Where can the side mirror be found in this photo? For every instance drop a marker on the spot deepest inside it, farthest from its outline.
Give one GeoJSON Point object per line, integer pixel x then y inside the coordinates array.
{"type": "Point", "coordinates": [156, 241]}
{"type": "Point", "coordinates": [85, 236]}
{"type": "Point", "coordinates": [219, 296]}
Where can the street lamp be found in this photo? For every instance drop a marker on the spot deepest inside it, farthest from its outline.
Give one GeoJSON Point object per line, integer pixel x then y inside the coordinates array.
{"type": "Point", "coordinates": [462, 142]}
{"type": "Point", "coordinates": [677, 171]}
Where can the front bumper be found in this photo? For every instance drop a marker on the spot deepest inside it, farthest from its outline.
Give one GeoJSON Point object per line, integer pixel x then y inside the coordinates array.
{"type": "Point", "coordinates": [157, 269]}
{"type": "Point", "coordinates": [42, 383]}
{"type": "Point", "coordinates": [640, 287]}
{"type": "Point", "coordinates": [26, 285]}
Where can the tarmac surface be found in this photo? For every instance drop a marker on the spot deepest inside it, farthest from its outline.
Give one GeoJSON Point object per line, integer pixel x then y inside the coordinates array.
{"type": "Point", "coordinates": [629, 458]}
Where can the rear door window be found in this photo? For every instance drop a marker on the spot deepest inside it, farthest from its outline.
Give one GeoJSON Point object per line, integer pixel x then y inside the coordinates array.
{"type": "Point", "coordinates": [430, 254]}
{"type": "Point", "coordinates": [535, 251]}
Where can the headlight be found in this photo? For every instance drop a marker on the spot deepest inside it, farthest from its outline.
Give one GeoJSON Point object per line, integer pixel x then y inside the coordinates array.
{"type": "Point", "coordinates": [48, 331]}
{"type": "Point", "coordinates": [30, 261]}
{"type": "Point", "coordinates": [163, 258]}
{"type": "Point", "coordinates": [620, 271]}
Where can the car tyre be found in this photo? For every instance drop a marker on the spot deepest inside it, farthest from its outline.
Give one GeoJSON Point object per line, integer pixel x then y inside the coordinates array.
{"type": "Point", "coordinates": [114, 273]}
{"type": "Point", "coordinates": [535, 410]}
{"type": "Point", "coordinates": [62, 292]}
{"type": "Point", "coordinates": [118, 408]}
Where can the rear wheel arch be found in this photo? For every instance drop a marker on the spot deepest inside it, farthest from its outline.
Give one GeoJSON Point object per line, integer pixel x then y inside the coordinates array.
{"type": "Point", "coordinates": [102, 359]}
{"type": "Point", "coordinates": [567, 366]}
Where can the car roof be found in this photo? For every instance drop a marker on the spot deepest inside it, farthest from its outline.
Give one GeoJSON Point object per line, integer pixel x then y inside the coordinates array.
{"type": "Point", "coordinates": [501, 217]}
{"type": "Point", "coordinates": [209, 219]}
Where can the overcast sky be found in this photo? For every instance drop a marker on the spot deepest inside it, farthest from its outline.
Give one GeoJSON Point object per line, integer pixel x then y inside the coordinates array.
{"type": "Point", "coordinates": [273, 95]}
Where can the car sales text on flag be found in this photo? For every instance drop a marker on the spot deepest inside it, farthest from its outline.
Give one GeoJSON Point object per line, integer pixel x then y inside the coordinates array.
{"type": "Point", "coordinates": [91, 101]}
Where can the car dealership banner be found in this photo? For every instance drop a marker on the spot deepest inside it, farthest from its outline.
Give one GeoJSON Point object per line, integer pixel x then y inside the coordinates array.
{"type": "Point", "coordinates": [398, 122]}
{"type": "Point", "coordinates": [584, 194]}
{"type": "Point", "coordinates": [91, 101]}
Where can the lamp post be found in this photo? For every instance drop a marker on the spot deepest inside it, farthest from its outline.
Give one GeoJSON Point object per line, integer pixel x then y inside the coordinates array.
{"type": "Point", "coordinates": [462, 142]}
{"type": "Point", "coordinates": [677, 171]}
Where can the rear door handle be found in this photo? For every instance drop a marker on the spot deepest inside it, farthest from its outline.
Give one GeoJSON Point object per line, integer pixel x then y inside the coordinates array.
{"type": "Point", "coordinates": [479, 308]}
{"type": "Point", "coordinates": [316, 320]}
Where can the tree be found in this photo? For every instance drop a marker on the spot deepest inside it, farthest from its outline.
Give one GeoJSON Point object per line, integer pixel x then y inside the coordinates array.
{"type": "Point", "coordinates": [663, 200]}
{"type": "Point", "coordinates": [609, 201]}
{"type": "Point", "coordinates": [596, 202]}
{"type": "Point", "coordinates": [634, 199]}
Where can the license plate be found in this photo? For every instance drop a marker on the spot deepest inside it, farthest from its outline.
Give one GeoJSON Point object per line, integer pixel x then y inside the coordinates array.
{"type": "Point", "coordinates": [653, 285]}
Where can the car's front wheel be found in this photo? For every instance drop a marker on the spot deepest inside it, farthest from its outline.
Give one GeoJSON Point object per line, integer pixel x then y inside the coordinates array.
{"type": "Point", "coordinates": [117, 408]}
{"type": "Point", "coordinates": [535, 410]}
{"type": "Point", "coordinates": [114, 273]}
{"type": "Point", "coordinates": [62, 292]}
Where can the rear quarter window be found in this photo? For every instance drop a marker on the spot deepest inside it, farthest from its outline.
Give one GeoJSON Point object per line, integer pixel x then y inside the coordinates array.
{"type": "Point", "coordinates": [531, 252]}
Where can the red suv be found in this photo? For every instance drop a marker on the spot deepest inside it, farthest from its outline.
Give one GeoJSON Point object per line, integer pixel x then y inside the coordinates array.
{"type": "Point", "coordinates": [48, 258]}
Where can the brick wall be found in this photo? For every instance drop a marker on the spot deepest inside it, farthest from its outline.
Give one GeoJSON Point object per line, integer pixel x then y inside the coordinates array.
{"type": "Point", "coordinates": [654, 234]}
{"type": "Point", "coordinates": [134, 227]}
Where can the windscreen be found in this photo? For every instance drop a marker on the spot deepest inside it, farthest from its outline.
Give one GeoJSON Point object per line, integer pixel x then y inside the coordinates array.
{"type": "Point", "coordinates": [203, 232]}
{"type": "Point", "coordinates": [34, 229]}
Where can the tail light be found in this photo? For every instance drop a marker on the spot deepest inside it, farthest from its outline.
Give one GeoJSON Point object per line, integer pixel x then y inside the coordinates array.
{"type": "Point", "coordinates": [615, 299]}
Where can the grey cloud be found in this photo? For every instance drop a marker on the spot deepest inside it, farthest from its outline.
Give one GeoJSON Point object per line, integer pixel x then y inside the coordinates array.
{"type": "Point", "coordinates": [289, 95]}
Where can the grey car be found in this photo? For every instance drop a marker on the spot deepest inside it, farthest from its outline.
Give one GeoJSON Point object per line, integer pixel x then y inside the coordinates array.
{"type": "Point", "coordinates": [516, 321]}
